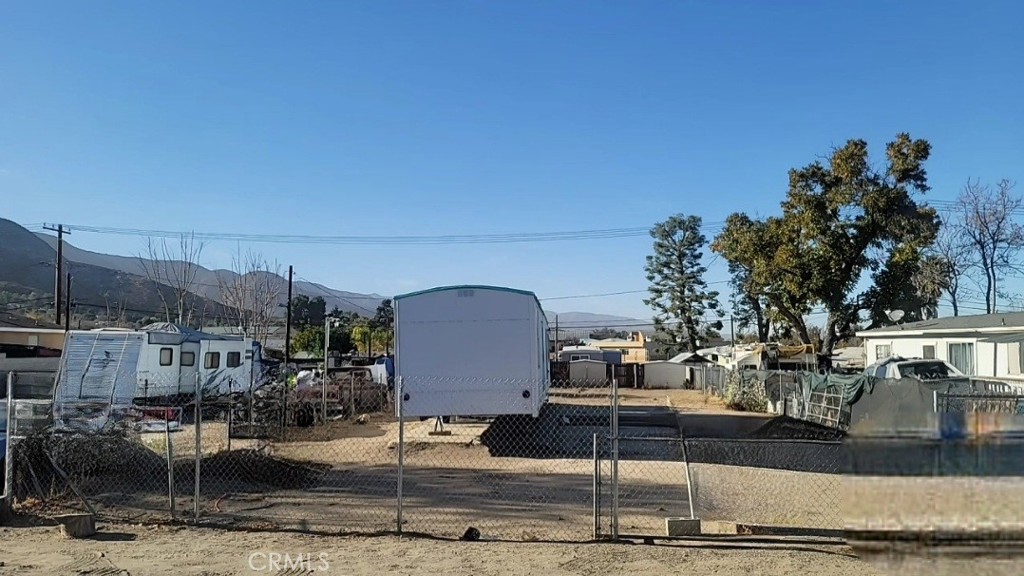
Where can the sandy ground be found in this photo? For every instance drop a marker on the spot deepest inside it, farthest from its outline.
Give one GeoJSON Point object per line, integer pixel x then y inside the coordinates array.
{"type": "Point", "coordinates": [132, 550]}
{"type": "Point", "coordinates": [682, 400]}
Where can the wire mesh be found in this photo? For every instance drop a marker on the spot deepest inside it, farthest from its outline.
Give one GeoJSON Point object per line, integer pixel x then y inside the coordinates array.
{"type": "Point", "coordinates": [509, 475]}
{"type": "Point", "coordinates": [318, 454]}
{"type": "Point", "coordinates": [323, 454]}
{"type": "Point", "coordinates": [652, 484]}
{"type": "Point", "coordinates": [785, 483]}
{"type": "Point", "coordinates": [103, 455]}
{"type": "Point", "coordinates": [983, 401]}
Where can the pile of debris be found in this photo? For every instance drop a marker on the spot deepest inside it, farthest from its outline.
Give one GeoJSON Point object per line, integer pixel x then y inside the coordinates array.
{"type": "Point", "coordinates": [787, 428]}
{"type": "Point", "coordinates": [251, 468]}
{"type": "Point", "coordinates": [48, 464]}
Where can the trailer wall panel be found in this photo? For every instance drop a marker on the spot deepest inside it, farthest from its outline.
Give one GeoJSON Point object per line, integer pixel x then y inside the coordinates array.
{"type": "Point", "coordinates": [471, 351]}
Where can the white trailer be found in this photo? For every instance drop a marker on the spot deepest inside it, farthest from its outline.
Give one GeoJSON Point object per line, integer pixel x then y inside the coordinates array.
{"type": "Point", "coordinates": [162, 361]}
{"type": "Point", "coordinates": [471, 351]}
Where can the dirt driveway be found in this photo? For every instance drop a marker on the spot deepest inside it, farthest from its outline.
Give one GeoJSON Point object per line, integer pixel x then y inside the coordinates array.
{"type": "Point", "coordinates": [158, 551]}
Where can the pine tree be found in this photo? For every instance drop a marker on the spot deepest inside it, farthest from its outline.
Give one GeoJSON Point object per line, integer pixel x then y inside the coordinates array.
{"type": "Point", "coordinates": [679, 294]}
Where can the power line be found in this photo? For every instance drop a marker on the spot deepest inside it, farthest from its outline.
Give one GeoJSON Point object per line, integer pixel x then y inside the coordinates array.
{"type": "Point", "coordinates": [502, 238]}
{"type": "Point", "coordinates": [606, 294]}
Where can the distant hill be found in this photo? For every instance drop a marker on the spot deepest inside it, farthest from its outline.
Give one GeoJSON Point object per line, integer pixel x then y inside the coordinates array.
{"type": "Point", "coordinates": [208, 282]}
{"type": "Point", "coordinates": [26, 268]}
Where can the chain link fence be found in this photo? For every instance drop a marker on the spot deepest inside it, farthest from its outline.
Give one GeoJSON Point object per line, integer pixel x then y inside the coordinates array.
{"type": "Point", "coordinates": [511, 476]}
{"type": "Point", "coordinates": [332, 455]}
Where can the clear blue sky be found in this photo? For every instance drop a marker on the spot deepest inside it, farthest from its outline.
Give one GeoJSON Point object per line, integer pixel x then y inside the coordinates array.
{"type": "Point", "coordinates": [431, 117]}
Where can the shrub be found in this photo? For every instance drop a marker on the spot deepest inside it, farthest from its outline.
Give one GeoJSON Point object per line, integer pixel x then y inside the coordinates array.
{"type": "Point", "coordinates": [746, 396]}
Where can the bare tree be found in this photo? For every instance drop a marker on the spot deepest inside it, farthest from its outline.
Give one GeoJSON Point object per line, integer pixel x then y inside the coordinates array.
{"type": "Point", "coordinates": [251, 294]}
{"type": "Point", "coordinates": [986, 220]}
{"type": "Point", "coordinates": [115, 309]}
{"type": "Point", "coordinates": [954, 253]}
{"type": "Point", "coordinates": [167, 266]}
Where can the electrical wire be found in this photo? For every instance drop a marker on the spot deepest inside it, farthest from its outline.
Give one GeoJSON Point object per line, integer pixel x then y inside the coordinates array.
{"type": "Point", "coordinates": [497, 238]}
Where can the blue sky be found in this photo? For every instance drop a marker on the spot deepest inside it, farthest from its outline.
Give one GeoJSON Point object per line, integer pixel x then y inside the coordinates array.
{"type": "Point", "coordinates": [426, 117]}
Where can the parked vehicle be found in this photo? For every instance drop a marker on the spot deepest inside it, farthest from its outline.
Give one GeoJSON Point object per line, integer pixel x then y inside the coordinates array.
{"type": "Point", "coordinates": [350, 390]}
{"type": "Point", "coordinates": [896, 367]}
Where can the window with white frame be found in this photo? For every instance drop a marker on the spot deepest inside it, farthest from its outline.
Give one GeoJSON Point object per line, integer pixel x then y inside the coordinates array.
{"type": "Point", "coordinates": [928, 352]}
{"type": "Point", "coordinates": [961, 355]}
{"type": "Point", "coordinates": [882, 351]}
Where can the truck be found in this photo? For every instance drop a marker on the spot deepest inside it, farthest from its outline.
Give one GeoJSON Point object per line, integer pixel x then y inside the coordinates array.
{"type": "Point", "coordinates": [470, 350]}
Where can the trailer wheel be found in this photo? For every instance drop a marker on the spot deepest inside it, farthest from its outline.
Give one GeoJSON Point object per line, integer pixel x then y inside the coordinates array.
{"type": "Point", "coordinates": [305, 416]}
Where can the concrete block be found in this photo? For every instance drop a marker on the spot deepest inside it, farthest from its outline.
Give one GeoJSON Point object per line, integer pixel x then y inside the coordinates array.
{"type": "Point", "coordinates": [76, 525]}
{"type": "Point", "coordinates": [682, 527]}
{"type": "Point", "coordinates": [696, 527]}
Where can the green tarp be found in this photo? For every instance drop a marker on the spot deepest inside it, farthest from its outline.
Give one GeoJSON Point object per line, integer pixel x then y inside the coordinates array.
{"type": "Point", "coordinates": [853, 385]}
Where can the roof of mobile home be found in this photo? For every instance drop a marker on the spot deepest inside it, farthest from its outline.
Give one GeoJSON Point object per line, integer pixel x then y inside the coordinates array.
{"type": "Point", "coordinates": [179, 333]}
{"type": "Point", "coordinates": [999, 322]}
{"type": "Point", "coordinates": [470, 287]}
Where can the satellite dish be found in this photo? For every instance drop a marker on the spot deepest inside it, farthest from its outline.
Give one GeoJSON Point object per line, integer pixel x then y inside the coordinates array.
{"type": "Point", "coordinates": [895, 315]}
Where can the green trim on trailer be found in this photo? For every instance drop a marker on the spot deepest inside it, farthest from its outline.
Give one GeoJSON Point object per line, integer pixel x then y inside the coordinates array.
{"type": "Point", "coordinates": [470, 287]}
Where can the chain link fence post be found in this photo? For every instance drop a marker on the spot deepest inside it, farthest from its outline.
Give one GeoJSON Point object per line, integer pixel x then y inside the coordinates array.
{"type": "Point", "coordinates": [169, 448]}
{"type": "Point", "coordinates": [597, 487]}
{"type": "Point", "coordinates": [400, 400]}
{"type": "Point", "coordinates": [689, 480]}
{"type": "Point", "coordinates": [199, 442]}
{"type": "Point", "coordinates": [8, 497]}
{"type": "Point", "coordinates": [615, 457]}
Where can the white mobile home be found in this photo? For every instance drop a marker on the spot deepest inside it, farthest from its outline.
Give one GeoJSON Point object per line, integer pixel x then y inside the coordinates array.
{"type": "Point", "coordinates": [160, 361]}
{"type": "Point", "coordinates": [984, 345]}
{"type": "Point", "coordinates": [471, 351]}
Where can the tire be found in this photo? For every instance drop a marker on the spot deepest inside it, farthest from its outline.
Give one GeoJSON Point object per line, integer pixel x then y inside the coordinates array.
{"type": "Point", "coordinates": [304, 417]}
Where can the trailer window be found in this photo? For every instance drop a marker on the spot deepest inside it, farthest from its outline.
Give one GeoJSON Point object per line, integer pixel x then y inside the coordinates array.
{"type": "Point", "coordinates": [188, 358]}
{"type": "Point", "coordinates": [166, 356]}
{"type": "Point", "coordinates": [212, 360]}
{"type": "Point", "coordinates": [234, 359]}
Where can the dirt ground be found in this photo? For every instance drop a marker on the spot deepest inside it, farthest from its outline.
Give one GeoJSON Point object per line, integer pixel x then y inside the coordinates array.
{"type": "Point", "coordinates": [122, 550]}
{"type": "Point", "coordinates": [682, 400]}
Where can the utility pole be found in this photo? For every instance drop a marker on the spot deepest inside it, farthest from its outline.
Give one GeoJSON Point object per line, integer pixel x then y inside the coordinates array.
{"type": "Point", "coordinates": [67, 305]}
{"type": "Point", "coordinates": [732, 335]}
{"type": "Point", "coordinates": [288, 324]}
{"type": "Point", "coordinates": [557, 355]}
{"type": "Point", "coordinates": [58, 301]}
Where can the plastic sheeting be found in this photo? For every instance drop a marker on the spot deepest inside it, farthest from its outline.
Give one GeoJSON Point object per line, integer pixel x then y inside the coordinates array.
{"type": "Point", "coordinates": [853, 385]}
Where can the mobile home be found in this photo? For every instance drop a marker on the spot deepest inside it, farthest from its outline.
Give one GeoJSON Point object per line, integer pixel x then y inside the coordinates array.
{"type": "Point", "coordinates": [471, 351]}
{"type": "Point", "coordinates": [160, 363]}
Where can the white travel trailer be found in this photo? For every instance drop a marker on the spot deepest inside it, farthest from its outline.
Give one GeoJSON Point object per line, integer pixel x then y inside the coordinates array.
{"type": "Point", "coordinates": [471, 351]}
{"type": "Point", "coordinates": [161, 361]}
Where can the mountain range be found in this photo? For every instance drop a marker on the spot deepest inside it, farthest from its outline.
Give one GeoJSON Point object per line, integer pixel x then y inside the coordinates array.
{"type": "Point", "coordinates": [104, 280]}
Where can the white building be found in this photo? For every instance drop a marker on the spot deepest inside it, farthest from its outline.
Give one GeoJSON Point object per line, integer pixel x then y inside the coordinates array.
{"type": "Point", "coordinates": [987, 345]}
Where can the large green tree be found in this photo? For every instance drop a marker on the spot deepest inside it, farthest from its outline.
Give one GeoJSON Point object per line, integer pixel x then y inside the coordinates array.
{"type": "Point", "coordinates": [312, 340]}
{"type": "Point", "coordinates": [679, 294]}
{"type": "Point", "coordinates": [843, 221]}
{"type": "Point", "coordinates": [308, 311]}
{"type": "Point", "coordinates": [749, 309]}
